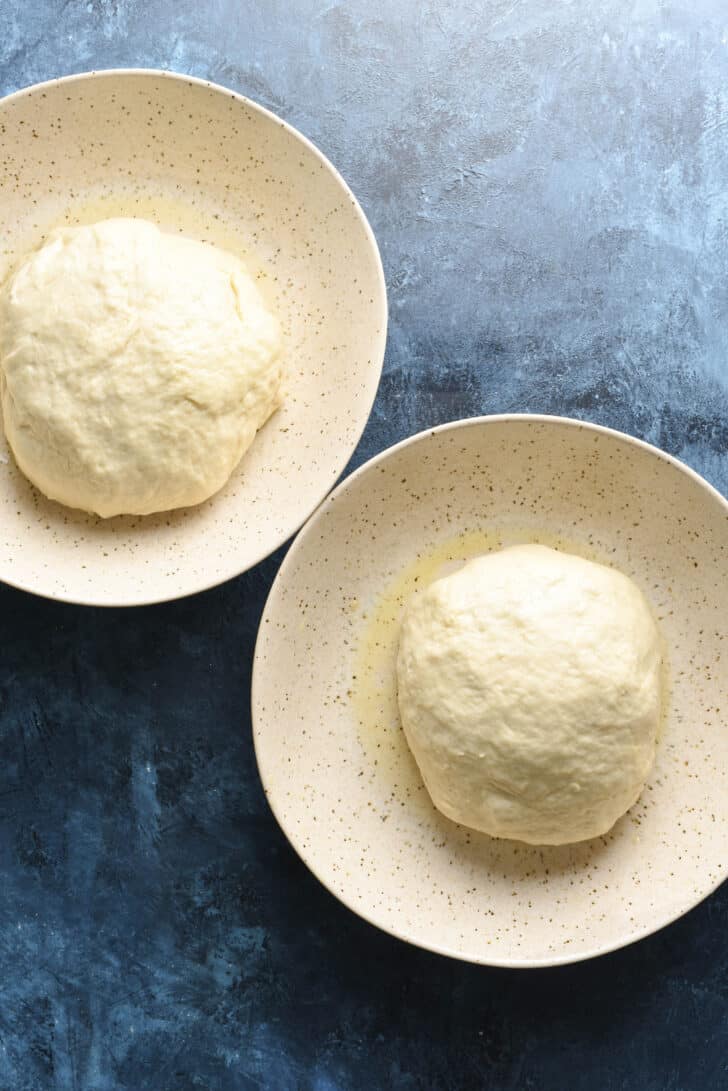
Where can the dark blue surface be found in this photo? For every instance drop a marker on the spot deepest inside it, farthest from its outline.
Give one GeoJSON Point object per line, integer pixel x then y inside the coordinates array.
{"type": "Point", "coordinates": [549, 186]}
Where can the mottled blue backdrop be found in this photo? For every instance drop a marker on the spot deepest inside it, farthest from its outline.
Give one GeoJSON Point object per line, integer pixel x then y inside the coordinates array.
{"type": "Point", "coordinates": [549, 186]}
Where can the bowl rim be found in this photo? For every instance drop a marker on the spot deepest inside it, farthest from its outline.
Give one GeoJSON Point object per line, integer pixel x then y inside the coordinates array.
{"type": "Point", "coordinates": [374, 374]}
{"type": "Point", "coordinates": [289, 560]}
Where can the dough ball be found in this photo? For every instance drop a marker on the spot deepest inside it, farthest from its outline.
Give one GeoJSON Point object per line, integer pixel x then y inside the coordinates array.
{"type": "Point", "coordinates": [135, 367]}
{"type": "Point", "coordinates": [529, 691]}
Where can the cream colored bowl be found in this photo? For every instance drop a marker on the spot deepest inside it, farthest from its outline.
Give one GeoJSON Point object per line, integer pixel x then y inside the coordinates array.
{"type": "Point", "coordinates": [199, 159]}
{"type": "Point", "coordinates": [331, 753]}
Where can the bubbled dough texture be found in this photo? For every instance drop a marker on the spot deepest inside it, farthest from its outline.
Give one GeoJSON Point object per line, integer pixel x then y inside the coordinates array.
{"type": "Point", "coordinates": [529, 691]}
{"type": "Point", "coordinates": [135, 367]}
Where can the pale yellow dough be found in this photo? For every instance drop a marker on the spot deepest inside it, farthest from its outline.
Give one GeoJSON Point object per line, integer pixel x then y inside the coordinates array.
{"type": "Point", "coordinates": [529, 692]}
{"type": "Point", "coordinates": [135, 367]}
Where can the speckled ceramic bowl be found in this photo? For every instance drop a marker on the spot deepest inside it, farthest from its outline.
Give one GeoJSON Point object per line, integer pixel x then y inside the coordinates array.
{"type": "Point", "coordinates": [198, 159]}
{"type": "Point", "coordinates": [331, 753]}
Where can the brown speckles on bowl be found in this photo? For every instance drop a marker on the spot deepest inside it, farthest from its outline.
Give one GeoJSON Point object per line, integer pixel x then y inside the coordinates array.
{"type": "Point", "coordinates": [332, 757]}
{"type": "Point", "coordinates": [198, 159]}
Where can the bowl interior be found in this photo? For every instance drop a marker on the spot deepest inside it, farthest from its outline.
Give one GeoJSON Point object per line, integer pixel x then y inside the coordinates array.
{"type": "Point", "coordinates": [330, 749]}
{"type": "Point", "coordinates": [197, 159]}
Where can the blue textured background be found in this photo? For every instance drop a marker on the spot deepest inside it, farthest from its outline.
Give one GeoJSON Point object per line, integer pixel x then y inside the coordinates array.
{"type": "Point", "coordinates": [549, 186]}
